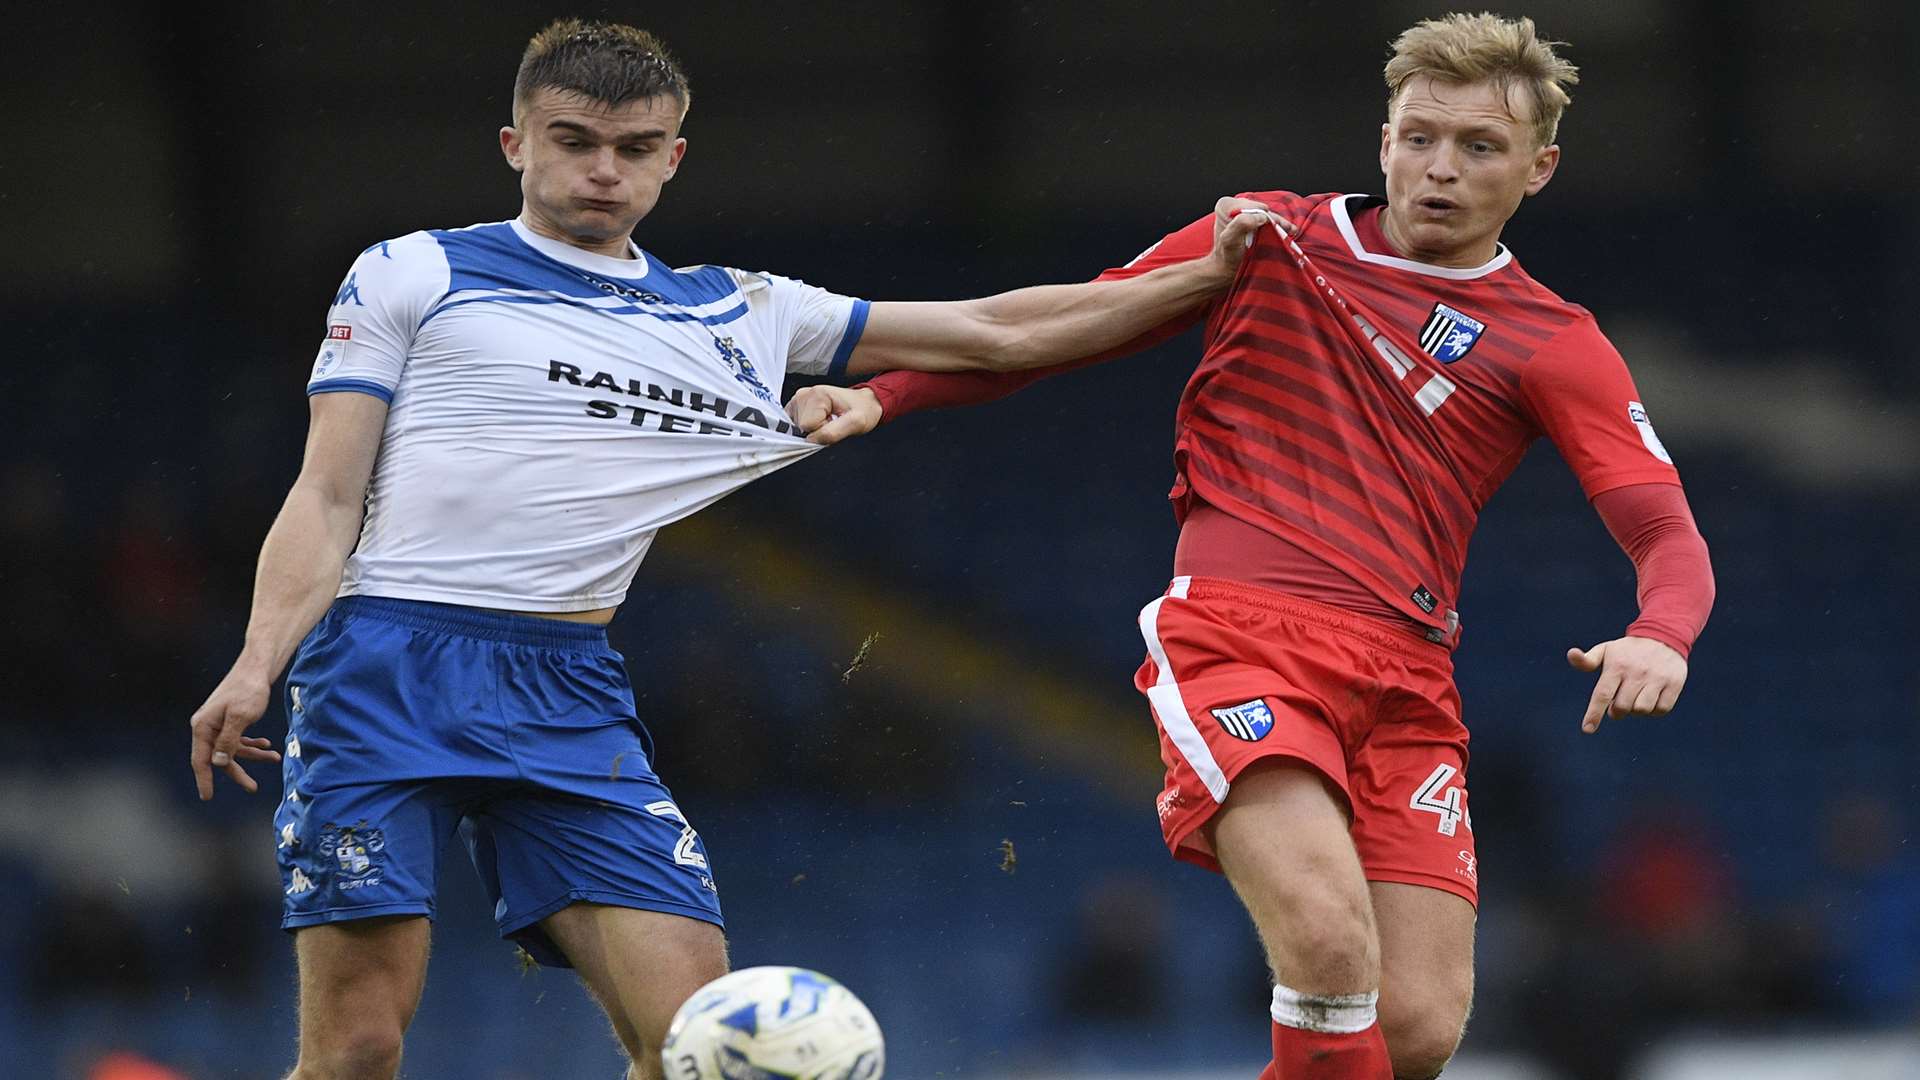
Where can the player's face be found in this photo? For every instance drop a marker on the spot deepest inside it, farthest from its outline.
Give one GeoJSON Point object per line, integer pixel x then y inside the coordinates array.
{"type": "Point", "coordinates": [1458, 160]}
{"type": "Point", "coordinates": [590, 171]}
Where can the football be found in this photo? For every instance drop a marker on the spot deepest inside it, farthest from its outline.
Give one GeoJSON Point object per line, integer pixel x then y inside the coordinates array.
{"type": "Point", "coordinates": [773, 1023]}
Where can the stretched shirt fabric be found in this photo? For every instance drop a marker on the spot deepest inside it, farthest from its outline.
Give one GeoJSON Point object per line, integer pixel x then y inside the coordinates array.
{"type": "Point", "coordinates": [1361, 407]}
{"type": "Point", "coordinates": [551, 409]}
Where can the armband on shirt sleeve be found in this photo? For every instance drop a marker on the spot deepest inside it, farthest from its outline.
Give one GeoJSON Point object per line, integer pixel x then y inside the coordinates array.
{"type": "Point", "coordinates": [375, 315]}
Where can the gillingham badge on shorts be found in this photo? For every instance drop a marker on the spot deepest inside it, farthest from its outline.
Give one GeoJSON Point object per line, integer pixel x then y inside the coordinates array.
{"type": "Point", "coordinates": [1250, 721]}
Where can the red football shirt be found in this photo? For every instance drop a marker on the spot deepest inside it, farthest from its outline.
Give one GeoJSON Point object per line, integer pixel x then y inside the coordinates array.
{"type": "Point", "coordinates": [1363, 407]}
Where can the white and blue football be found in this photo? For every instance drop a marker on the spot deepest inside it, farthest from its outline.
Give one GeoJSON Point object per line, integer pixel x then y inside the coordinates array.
{"type": "Point", "coordinates": [774, 1023]}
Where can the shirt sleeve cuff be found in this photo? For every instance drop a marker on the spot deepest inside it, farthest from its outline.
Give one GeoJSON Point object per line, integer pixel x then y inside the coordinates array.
{"type": "Point", "coordinates": [357, 386]}
{"type": "Point", "coordinates": [856, 325]}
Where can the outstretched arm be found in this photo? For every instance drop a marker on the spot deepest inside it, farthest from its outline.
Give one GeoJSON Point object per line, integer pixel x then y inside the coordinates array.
{"type": "Point", "coordinates": [831, 413]}
{"type": "Point", "coordinates": [1047, 325]}
{"type": "Point", "coordinates": [298, 574]}
{"type": "Point", "coordinates": [1643, 672]}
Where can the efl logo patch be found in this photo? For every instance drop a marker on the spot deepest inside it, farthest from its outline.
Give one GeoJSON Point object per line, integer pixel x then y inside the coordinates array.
{"type": "Point", "coordinates": [1449, 334]}
{"type": "Point", "coordinates": [1637, 413]}
{"type": "Point", "coordinates": [1250, 721]}
{"type": "Point", "coordinates": [333, 349]}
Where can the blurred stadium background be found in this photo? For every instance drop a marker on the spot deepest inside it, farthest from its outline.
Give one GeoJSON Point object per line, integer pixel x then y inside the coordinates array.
{"type": "Point", "coordinates": [962, 828]}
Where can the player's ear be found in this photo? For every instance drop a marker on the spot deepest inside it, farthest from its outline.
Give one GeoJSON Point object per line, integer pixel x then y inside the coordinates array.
{"type": "Point", "coordinates": [1386, 140]}
{"type": "Point", "coordinates": [513, 147]}
{"type": "Point", "coordinates": [1544, 164]}
{"type": "Point", "coordinates": [673, 158]}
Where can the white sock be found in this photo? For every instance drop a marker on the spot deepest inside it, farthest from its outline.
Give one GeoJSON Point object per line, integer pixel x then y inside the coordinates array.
{"type": "Point", "coordinates": [1331, 1014]}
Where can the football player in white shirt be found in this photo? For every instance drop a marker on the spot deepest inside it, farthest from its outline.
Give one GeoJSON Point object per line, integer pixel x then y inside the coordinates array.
{"type": "Point", "coordinates": [502, 417]}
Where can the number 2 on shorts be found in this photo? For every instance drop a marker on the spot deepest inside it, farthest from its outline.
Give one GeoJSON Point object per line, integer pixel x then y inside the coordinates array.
{"type": "Point", "coordinates": [683, 852]}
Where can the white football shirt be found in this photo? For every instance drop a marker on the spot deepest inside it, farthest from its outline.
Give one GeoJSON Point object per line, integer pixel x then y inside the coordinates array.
{"type": "Point", "coordinates": [551, 409]}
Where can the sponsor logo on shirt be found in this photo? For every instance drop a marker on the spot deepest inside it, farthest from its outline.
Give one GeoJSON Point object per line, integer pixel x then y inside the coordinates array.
{"type": "Point", "coordinates": [1424, 598]}
{"type": "Point", "coordinates": [1249, 721]}
{"type": "Point", "coordinates": [1450, 334]}
{"type": "Point", "coordinates": [671, 408]}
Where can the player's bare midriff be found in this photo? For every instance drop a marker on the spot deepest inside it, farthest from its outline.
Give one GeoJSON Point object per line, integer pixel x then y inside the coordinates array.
{"type": "Point", "coordinates": [598, 617]}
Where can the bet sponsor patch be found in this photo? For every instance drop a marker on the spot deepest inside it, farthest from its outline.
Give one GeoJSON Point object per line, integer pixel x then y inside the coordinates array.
{"type": "Point", "coordinates": [1450, 334]}
{"type": "Point", "coordinates": [333, 349]}
{"type": "Point", "coordinates": [1249, 721]}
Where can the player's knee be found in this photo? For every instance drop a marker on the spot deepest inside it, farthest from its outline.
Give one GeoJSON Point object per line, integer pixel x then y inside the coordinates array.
{"type": "Point", "coordinates": [360, 1049]}
{"type": "Point", "coordinates": [1423, 1031]}
{"type": "Point", "coordinates": [1324, 939]}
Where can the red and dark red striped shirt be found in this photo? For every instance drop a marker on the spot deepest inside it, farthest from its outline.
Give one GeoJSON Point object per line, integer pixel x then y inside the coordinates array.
{"type": "Point", "coordinates": [1360, 408]}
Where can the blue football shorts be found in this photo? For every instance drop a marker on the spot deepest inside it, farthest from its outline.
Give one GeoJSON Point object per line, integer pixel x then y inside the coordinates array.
{"type": "Point", "coordinates": [410, 720]}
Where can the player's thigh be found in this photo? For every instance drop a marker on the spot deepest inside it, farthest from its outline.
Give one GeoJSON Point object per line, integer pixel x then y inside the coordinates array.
{"type": "Point", "coordinates": [360, 981]}
{"type": "Point", "coordinates": [1282, 839]}
{"type": "Point", "coordinates": [640, 964]}
{"type": "Point", "coordinates": [1426, 972]}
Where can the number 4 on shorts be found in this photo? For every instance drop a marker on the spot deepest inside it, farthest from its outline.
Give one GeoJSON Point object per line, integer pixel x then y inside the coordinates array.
{"type": "Point", "coordinates": [1435, 797]}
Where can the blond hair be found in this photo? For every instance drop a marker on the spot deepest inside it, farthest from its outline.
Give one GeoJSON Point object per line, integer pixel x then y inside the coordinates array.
{"type": "Point", "coordinates": [1461, 48]}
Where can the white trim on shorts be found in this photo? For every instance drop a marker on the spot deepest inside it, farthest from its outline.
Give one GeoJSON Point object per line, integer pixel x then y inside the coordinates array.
{"type": "Point", "coordinates": [1168, 705]}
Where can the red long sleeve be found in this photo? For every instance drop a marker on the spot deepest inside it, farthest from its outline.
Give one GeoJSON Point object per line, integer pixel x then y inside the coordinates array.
{"type": "Point", "coordinates": [903, 392]}
{"type": "Point", "coordinates": [1653, 525]}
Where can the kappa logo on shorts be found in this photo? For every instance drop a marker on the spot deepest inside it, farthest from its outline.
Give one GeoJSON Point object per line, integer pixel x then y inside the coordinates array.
{"type": "Point", "coordinates": [1250, 721]}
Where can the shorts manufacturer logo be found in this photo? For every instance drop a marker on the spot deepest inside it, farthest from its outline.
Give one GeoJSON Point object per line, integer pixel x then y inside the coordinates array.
{"type": "Point", "coordinates": [1469, 867]}
{"type": "Point", "coordinates": [1167, 803]}
{"type": "Point", "coordinates": [1450, 334]}
{"type": "Point", "coordinates": [299, 883]}
{"type": "Point", "coordinates": [1250, 721]}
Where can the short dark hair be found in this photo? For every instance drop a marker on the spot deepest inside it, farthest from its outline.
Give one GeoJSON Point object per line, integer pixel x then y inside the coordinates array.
{"type": "Point", "coordinates": [603, 61]}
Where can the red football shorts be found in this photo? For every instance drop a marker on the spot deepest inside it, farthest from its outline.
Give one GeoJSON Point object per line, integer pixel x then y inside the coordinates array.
{"type": "Point", "coordinates": [1238, 674]}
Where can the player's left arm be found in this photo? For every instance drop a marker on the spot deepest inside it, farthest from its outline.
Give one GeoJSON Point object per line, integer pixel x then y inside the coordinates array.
{"type": "Point", "coordinates": [1046, 325]}
{"type": "Point", "coordinates": [1642, 672]}
{"type": "Point", "coordinates": [1580, 392]}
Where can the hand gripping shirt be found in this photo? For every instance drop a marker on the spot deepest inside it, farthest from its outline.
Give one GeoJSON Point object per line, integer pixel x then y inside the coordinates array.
{"type": "Point", "coordinates": [551, 409]}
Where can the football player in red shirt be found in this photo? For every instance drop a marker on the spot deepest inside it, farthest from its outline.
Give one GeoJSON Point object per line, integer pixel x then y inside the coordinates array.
{"type": "Point", "coordinates": [1377, 370]}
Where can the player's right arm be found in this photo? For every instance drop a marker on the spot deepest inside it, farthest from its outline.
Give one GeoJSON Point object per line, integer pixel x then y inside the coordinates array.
{"type": "Point", "coordinates": [295, 580]}
{"type": "Point", "coordinates": [370, 331]}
